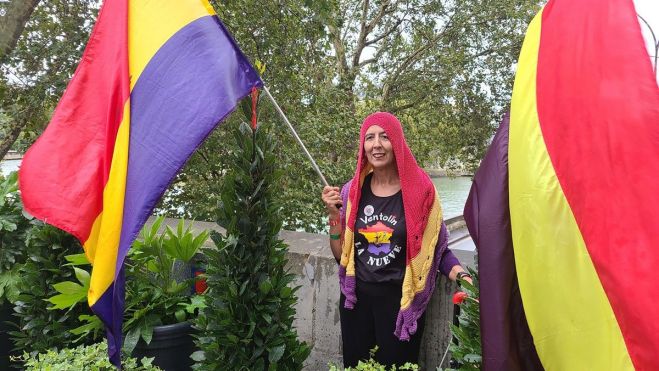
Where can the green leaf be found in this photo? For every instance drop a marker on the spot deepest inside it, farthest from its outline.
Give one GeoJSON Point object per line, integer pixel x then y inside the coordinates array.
{"type": "Point", "coordinates": [232, 338]}
{"type": "Point", "coordinates": [68, 288]}
{"type": "Point", "coordinates": [146, 332]}
{"type": "Point", "coordinates": [180, 315]}
{"type": "Point", "coordinates": [198, 356]}
{"type": "Point", "coordinates": [92, 324]}
{"type": "Point", "coordinates": [63, 301]}
{"type": "Point", "coordinates": [274, 354]}
{"type": "Point", "coordinates": [131, 340]}
{"type": "Point", "coordinates": [82, 276]}
{"type": "Point", "coordinates": [7, 226]}
{"type": "Point", "coordinates": [9, 285]}
{"type": "Point", "coordinates": [265, 286]}
{"type": "Point", "coordinates": [77, 259]}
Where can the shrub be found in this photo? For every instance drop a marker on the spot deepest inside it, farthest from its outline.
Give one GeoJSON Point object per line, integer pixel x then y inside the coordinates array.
{"type": "Point", "coordinates": [13, 228]}
{"type": "Point", "coordinates": [31, 260]}
{"type": "Point", "coordinates": [38, 327]}
{"type": "Point", "coordinates": [373, 365]}
{"type": "Point", "coordinates": [90, 357]}
{"type": "Point", "coordinates": [248, 319]}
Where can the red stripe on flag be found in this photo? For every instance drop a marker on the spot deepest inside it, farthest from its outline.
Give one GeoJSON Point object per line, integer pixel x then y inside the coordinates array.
{"type": "Point", "coordinates": [67, 190]}
{"type": "Point", "coordinates": [598, 106]}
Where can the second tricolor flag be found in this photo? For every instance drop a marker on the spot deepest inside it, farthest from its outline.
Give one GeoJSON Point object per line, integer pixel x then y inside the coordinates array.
{"type": "Point", "coordinates": [154, 80]}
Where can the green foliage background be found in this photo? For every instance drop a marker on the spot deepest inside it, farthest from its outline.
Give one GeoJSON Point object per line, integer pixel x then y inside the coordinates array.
{"type": "Point", "coordinates": [445, 67]}
{"type": "Point", "coordinates": [32, 259]}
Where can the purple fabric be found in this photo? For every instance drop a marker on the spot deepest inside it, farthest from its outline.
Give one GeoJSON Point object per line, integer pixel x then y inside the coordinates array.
{"type": "Point", "coordinates": [407, 319]}
{"type": "Point", "coordinates": [506, 340]}
{"type": "Point", "coordinates": [345, 190]}
{"type": "Point", "coordinates": [447, 262]}
{"type": "Point", "coordinates": [348, 286]}
{"type": "Point", "coordinates": [110, 306]}
{"type": "Point", "coordinates": [189, 86]}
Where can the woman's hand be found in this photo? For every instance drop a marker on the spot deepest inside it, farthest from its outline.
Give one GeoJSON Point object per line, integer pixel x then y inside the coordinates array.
{"type": "Point", "coordinates": [453, 275]}
{"type": "Point", "coordinates": [331, 198]}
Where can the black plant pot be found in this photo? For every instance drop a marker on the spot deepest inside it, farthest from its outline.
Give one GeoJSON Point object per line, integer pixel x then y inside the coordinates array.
{"type": "Point", "coordinates": [171, 347]}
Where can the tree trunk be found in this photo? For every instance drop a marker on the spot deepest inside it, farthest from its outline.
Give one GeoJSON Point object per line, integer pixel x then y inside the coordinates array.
{"type": "Point", "coordinates": [11, 133]}
{"type": "Point", "coordinates": [14, 14]}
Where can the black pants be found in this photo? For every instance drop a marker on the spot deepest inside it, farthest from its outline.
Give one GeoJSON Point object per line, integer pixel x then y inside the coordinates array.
{"type": "Point", "coordinates": [372, 322]}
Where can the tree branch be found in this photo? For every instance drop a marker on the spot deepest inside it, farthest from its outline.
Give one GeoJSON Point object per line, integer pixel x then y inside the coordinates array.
{"type": "Point", "coordinates": [407, 62]}
{"type": "Point", "coordinates": [13, 23]}
{"type": "Point", "coordinates": [339, 50]}
{"type": "Point", "coordinates": [385, 8]}
{"type": "Point", "coordinates": [385, 33]}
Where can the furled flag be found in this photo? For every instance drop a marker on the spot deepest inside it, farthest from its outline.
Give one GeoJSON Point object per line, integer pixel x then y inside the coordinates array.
{"type": "Point", "coordinates": [155, 78]}
{"type": "Point", "coordinates": [506, 341]}
{"type": "Point", "coordinates": [583, 155]}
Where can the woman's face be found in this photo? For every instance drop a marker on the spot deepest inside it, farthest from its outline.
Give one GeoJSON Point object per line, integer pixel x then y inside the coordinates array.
{"type": "Point", "coordinates": [377, 147]}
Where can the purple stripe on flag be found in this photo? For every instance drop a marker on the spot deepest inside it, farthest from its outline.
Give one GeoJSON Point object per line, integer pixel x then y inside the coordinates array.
{"type": "Point", "coordinates": [112, 315]}
{"type": "Point", "coordinates": [506, 340]}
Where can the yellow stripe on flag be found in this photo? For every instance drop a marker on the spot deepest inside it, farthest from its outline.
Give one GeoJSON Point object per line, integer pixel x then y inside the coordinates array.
{"type": "Point", "coordinates": [102, 245]}
{"type": "Point", "coordinates": [152, 23]}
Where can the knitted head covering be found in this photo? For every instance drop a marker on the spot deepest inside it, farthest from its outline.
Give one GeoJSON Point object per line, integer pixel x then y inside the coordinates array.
{"type": "Point", "coordinates": [423, 218]}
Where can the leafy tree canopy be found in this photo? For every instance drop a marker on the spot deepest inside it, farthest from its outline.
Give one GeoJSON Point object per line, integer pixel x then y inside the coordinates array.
{"type": "Point", "coordinates": [445, 67]}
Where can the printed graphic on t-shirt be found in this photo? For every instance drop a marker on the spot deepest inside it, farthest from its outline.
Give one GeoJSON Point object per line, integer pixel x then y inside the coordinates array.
{"type": "Point", "coordinates": [377, 233]}
{"type": "Point", "coordinates": [378, 236]}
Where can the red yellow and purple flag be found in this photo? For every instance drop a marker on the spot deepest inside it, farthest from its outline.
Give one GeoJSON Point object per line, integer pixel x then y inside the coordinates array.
{"type": "Point", "coordinates": [154, 80]}
{"type": "Point", "coordinates": [583, 154]}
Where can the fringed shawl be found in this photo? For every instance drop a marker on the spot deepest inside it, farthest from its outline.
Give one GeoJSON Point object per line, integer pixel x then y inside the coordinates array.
{"type": "Point", "coordinates": [427, 236]}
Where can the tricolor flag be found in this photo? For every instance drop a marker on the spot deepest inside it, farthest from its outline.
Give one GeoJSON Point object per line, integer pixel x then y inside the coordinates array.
{"type": "Point", "coordinates": [155, 78]}
{"type": "Point", "coordinates": [583, 159]}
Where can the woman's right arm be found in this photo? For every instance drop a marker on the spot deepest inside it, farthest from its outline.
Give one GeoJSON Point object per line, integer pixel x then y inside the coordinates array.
{"type": "Point", "coordinates": [331, 197]}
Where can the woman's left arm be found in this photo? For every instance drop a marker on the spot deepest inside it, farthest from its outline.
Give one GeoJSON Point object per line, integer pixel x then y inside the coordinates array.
{"type": "Point", "coordinates": [450, 266]}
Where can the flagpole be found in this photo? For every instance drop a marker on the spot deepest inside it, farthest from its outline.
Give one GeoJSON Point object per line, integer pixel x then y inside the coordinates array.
{"type": "Point", "coordinates": [283, 116]}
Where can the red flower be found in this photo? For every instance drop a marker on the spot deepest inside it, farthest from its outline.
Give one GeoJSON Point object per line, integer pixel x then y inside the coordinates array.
{"type": "Point", "coordinates": [200, 283]}
{"type": "Point", "coordinates": [459, 297]}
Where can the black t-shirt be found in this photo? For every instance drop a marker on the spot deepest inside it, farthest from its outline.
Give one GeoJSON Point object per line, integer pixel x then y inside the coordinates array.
{"type": "Point", "coordinates": [380, 237]}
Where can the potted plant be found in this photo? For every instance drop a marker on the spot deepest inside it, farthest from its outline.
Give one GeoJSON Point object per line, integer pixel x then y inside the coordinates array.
{"type": "Point", "coordinates": [159, 300]}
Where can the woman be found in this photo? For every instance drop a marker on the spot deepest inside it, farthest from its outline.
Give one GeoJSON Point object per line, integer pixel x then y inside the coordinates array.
{"type": "Point", "coordinates": [390, 242]}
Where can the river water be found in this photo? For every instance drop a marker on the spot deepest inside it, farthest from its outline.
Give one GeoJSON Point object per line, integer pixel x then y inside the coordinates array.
{"type": "Point", "coordinates": [453, 194]}
{"type": "Point", "coordinates": [7, 166]}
